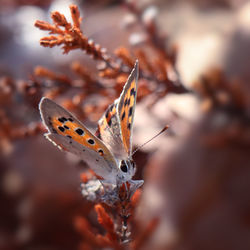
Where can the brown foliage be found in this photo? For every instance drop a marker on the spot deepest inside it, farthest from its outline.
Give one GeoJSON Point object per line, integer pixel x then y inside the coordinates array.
{"type": "Point", "coordinates": [87, 92]}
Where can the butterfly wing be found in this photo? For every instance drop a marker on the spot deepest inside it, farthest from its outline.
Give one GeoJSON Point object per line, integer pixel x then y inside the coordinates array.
{"type": "Point", "coordinates": [71, 135]}
{"type": "Point", "coordinates": [114, 128]}
{"type": "Point", "coordinates": [126, 108]}
{"type": "Point", "coordinates": [110, 132]}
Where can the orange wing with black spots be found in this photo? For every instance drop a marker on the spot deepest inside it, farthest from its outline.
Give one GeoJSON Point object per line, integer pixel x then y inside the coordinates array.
{"type": "Point", "coordinates": [109, 131]}
{"type": "Point", "coordinates": [115, 126]}
{"type": "Point", "coordinates": [126, 107]}
{"type": "Point", "coordinates": [71, 135]}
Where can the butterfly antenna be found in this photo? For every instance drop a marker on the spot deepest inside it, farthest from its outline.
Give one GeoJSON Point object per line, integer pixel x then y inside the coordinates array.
{"type": "Point", "coordinates": [163, 130]}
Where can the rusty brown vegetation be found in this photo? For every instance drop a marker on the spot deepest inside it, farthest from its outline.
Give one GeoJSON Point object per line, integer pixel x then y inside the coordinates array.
{"type": "Point", "coordinates": [33, 216]}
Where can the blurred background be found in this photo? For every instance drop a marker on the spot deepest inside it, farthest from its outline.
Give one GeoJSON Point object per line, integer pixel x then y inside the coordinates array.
{"type": "Point", "coordinates": [197, 174]}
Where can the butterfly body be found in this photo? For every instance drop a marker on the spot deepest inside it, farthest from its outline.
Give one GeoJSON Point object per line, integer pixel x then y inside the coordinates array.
{"type": "Point", "coordinates": [108, 152]}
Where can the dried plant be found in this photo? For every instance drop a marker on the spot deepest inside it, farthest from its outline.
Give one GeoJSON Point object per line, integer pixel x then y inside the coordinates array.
{"type": "Point", "coordinates": [71, 37]}
{"type": "Point", "coordinates": [162, 70]}
{"type": "Point", "coordinates": [87, 94]}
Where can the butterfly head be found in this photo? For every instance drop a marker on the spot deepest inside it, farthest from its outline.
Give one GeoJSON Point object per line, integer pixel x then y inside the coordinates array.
{"type": "Point", "coordinates": [127, 169]}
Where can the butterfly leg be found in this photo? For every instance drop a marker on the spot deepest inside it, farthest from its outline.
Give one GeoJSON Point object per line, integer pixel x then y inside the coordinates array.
{"type": "Point", "coordinates": [110, 193]}
{"type": "Point", "coordinates": [134, 185]}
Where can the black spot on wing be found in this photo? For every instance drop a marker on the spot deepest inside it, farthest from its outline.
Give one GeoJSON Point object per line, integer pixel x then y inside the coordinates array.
{"type": "Point", "coordinates": [107, 114]}
{"type": "Point", "coordinates": [62, 119]}
{"type": "Point", "coordinates": [132, 91]}
{"type": "Point", "coordinates": [69, 136]}
{"type": "Point", "coordinates": [123, 115]}
{"type": "Point", "coordinates": [109, 110]}
{"type": "Point", "coordinates": [91, 141]}
{"type": "Point", "coordinates": [129, 126]}
{"type": "Point", "coordinates": [100, 151]}
{"type": "Point", "coordinates": [66, 127]}
{"type": "Point", "coordinates": [79, 131]}
{"type": "Point", "coordinates": [130, 111]}
{"type": "Point", "coordinates": [61, 128]}
{"type": "Point", "coordinates": [109, 122]}
{"type": "Point", "coordinates": [111, 107]}
{"type": "Point", "coordinates": [70, 119]}
{"type": "Point", "coordinates": [126, 102]}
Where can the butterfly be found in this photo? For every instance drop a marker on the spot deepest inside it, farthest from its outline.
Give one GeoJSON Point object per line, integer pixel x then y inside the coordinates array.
{"type": "Point", "coordinates": [109, 152]}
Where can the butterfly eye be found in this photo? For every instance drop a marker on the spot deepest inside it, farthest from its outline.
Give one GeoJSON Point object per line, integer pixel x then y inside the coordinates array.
{"type": "Point", "coordinates": [124, 167]}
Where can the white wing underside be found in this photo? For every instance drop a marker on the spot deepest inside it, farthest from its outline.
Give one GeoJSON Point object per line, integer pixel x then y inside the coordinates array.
{"type": "Point", "coordinates": [96, 162]}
